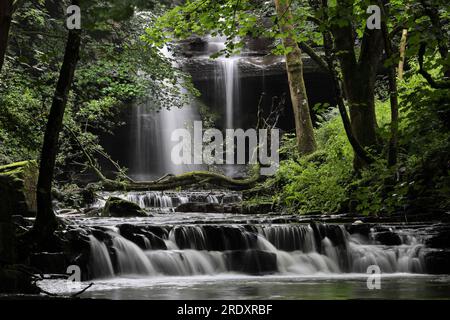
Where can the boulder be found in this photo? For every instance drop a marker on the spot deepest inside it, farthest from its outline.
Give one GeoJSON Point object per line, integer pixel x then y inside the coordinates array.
{"type": "Point", "coordinates": [18, 188]}
{"type": "Point", "coordinates": [388, 238]}
{"type": "Point", "coordinates": [359, 228]}
{"type": "Point", "coordinates": [117, 207]}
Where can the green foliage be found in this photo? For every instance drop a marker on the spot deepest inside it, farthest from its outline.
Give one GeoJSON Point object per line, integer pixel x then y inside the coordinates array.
{"type": "Point", "coordinates": [324, 181]}
{"type": "Point", "coordinates": [116, 69]}
{"type": "Point", "coordinates": [317, 182]}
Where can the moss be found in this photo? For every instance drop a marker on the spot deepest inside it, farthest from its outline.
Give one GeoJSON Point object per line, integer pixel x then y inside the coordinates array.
{"type": "Point", "coordinates": [117, 207]}
{"type": "Point", "coordinates": [18, 187]}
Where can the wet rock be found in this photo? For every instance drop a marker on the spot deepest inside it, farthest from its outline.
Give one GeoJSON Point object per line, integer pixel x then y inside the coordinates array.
{"type": "Point", "coordinates": [319, 232]}
{"type": "Point", "coordinates": [18, 188]}
{"type": "Point", "coordinates": [93, 212]}
{"type": "Point", "coordinates": [117, 207]}
{"type": "Point", "coordinates": [101, 234]}
{"type": "Point", "coordinates": [388, 238]}
{"type": "Point", "coordinates": [441, 239]}
{"type": "Point", "coordinates": [362, 229]}
{"type": "Point", "coordinates": [335, 234]}
{"type": "Point", "coordinates": [214, 238]}
{"type": "Point", "coordinates": [255, 262]}
{"type": "Point", "coordinates": [438, 262]}
{"type": "Point", "coordinates": [88, 194]}
{"type": "Point", "coordinates": [161, 232]}
{"type": "Point", "coordinates": [141, 237]}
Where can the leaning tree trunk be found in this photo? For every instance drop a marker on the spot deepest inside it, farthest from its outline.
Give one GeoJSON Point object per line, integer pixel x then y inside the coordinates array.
{"type": "Point", "coordinates": [45, 218]}
{"type": "Point", "coordinates": [294, 65]}
{"type": "Point", "coordinates": [5, 24]}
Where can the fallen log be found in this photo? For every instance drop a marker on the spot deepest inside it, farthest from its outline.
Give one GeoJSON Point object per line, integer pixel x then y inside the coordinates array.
{"type": "Point", "coordinates": [169, 181]}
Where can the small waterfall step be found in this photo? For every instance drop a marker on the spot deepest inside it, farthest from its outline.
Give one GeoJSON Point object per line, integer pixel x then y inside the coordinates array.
{"type": "Point", "coordinates": [192, 249]}
{"type": "Point", "coordinates": [169, 200]}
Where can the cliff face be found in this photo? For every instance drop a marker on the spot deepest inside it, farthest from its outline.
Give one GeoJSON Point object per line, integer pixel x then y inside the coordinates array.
{"type": "Point", "coordinates": [255, 60]}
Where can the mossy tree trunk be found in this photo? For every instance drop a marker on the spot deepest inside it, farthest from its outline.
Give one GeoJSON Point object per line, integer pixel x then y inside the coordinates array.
{"type": "Point", "coordinates": [45, 219]}
{"type": "Point", "coordinates": [303, 125]}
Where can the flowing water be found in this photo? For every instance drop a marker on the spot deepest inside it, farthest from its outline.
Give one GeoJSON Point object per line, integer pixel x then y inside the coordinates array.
{"type": "Point", "coordinates": [151, 130]}
{"type": "Point", "coordinates": [232, 256]}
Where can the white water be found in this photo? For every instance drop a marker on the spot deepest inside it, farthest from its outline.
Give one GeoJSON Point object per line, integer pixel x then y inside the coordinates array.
{"type": "Point", "coordinates": [230, 81]}
{"type": "Point", "coordinates": [152, 133]}
{"type": "Point", "coordinates": [164, 201]}
{"type": "Point", "coordinates": [196, 256]}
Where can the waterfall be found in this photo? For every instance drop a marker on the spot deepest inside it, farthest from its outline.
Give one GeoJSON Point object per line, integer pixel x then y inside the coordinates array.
{"type": "Point", "coordinates": [230, 79]}
{"type": "Point", "coordinates": [165, 201]}
{"type": "Point", "coordinates": [283, 249]}
{"type": "Point", "coordinates": [130, 258]}
{"type": "Point", "coordinates": [100, 262]}
{"type": "Point", "coordinates": [151, 136]}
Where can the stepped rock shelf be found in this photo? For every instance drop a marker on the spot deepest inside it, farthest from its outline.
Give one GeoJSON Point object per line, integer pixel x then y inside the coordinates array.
{"type": "Point", "coordinates": [167, 252]}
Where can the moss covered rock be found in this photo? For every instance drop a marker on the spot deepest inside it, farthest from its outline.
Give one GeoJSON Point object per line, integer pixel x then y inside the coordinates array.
{"type": "Point", "coordinates": [18, 188]}
{"type": "Point", "coordinates": [117, 207]}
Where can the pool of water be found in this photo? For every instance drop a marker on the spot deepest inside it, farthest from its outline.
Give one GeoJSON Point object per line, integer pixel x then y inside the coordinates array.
{"type": "Point", "coordinates": [234, 286]}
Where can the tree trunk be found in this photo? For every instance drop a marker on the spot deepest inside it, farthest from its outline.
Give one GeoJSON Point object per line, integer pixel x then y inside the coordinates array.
{"type": "Point", "coordinates": [359, 76]}
{"type": "Point", "coordinates": [303, 125]}
{"type": "Point", "coordinates": [393, 95]}
{"type": "Point", "coordinates": [402, 50]}
{"type": "Point", "coordinates": [45, 219]}
{"type": "Point", "coordinates": [6, 9]}
{"type": "Point", "coordinates": [433, 13]}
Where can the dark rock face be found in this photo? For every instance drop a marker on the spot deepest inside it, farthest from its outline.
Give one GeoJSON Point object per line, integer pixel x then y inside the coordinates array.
{"type": "Point", "coordinates": [254, 262]}
{"type": "Point", "coordinates": [438, 262]}
{"type": "Point", "coordinates": [362, 229]}
{"type": "Point", "coordinates": [214, 237]}
{"type": "Point", "coordinates": [116, 207]}
{"type": "Point", "coordinates": [142, 237]}
{"type": "Point", "coordinates": [49, 262]}
{"type": "Point", "coordinates": [441, 239]}
{"type": "Point", "coordinates": [388, 238]}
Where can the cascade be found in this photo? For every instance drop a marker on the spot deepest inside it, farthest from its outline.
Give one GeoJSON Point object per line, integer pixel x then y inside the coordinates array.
{"type": "Point", "coordinates": [166, 201]}
{"type": "Point", "coordinates": [199, 249]}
